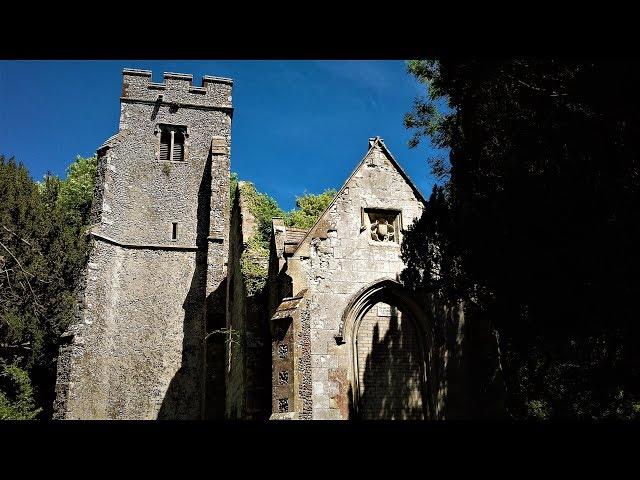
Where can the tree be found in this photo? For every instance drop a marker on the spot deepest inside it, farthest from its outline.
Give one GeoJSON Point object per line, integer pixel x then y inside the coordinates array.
{"type": "Point", "coordinates": [23, 268]}
{"type": "Point", "coordinates": [43, 253]}
{"type": "Point", "coordinates": [537, 223]}
{"type": "Point", "coordinates": [16, 394]}
{"type": "Point", "coordinates": [76, 191]}
{"type": "Point", "coordinates": [309, 207]}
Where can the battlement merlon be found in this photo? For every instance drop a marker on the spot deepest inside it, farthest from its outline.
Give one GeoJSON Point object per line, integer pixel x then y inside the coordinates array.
{"type": "Point", "coordinates": [177, 89]}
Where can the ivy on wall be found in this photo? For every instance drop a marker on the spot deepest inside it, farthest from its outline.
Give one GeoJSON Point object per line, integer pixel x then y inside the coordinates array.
{"type": "Point", "coordinates": [254, 259]}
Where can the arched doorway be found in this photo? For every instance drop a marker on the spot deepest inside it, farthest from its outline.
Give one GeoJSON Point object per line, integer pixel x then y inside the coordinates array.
{"type": "Point", "coordinates": [387, 335]}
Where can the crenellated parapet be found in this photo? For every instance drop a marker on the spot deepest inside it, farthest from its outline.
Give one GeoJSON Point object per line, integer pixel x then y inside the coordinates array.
{"type": "Point", "coordinates": [177, 89]}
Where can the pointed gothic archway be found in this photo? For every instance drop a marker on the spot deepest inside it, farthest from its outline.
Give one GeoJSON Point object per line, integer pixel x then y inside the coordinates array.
{"type": "Point", "coordinates": [388, 336]}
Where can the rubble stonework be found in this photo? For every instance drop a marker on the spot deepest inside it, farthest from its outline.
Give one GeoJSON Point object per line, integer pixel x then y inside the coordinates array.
{"type": "Point", "coordinates": [166, 328]}
{"type": "Point", "coordinates": [138, 348]}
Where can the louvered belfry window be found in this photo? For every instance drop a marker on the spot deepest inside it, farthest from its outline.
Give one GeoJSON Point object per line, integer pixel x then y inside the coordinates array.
{"type": "Point", "coordinates": [165, 144]}
{"type": "Point", "coordinates": [171, 144]}
{"type": "Point", "coordinates": [178, 146]}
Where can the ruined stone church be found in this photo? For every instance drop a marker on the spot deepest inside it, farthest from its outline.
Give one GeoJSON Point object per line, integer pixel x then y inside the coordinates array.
{"type": "Point", "coordinates": [166, 327]}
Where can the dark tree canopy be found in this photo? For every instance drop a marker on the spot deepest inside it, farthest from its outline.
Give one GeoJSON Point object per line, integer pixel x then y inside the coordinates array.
{"type": "Point", "coordinates": [537, 223]}
{"type": "Point", "coordinates": [42, 253]}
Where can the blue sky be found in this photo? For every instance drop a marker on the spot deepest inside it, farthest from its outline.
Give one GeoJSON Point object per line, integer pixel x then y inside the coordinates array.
{"type": "Point", "coordinates": [298, 125]}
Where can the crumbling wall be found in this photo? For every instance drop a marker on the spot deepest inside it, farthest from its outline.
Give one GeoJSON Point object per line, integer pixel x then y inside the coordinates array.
{"type": "Point", "coordinates": [336, 261]}
{"type": "Point", "coordinates": [248, 382]}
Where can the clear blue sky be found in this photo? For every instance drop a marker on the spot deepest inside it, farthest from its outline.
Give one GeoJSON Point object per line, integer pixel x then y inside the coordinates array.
{"type": "Point", "coordinates": [297, 126]}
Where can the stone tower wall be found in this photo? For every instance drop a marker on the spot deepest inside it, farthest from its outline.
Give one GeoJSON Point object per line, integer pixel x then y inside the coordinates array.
{"type": "Point", "coordinates": [138, 348]}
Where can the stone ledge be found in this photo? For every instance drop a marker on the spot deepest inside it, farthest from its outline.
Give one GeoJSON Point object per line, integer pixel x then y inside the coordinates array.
{"type": "Point", "coordinates": [137, 71]}
{"type": "Point", "coordinates": [149, 246]}
{"type": "Point", "coordinates": [177, 162]}
{"type": "Point", "coordinates": [284, 416]}
{"type": "Point", "coordinates": [212, 78]}
{"type": "Point", "coordinates": [178, 76]}
{"type": "Point", "coordinates": [178, 104]}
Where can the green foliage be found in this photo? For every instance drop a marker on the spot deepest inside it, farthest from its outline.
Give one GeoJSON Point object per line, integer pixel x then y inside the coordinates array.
{"type": "Point", "coordinates": [42, 252]}
{"type": "Point", "coordinates": [16, 394]}
{"type": "Point", "coordinates": [427, 117]}
{"type": "Point", "coordinates": [264, 209]}
{"type": "Point", "coordinates": [538, 409]}
{"type": "Point", "coordinates": [75, 193]}
{"type": "Point", "coordinates": [537, 224]}
{"type": "Point", "coordinates": [253, 264]}
{"type": "Point", "coordinates": [308, 209]}
{"type": "Point", "coordinates": [253, 260]}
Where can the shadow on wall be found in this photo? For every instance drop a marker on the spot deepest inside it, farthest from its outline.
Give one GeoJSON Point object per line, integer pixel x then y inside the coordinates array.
{"type": "Point", "coordinates": [391, 385]}
{"type": "Point", "coordinates": [448, 372]}
{"type": "Point", "coordinates": [463, 380]}
{"type": "Point", "coordinates": [185, 394]}
{"type": "Point", "coordinates": [215, 354]}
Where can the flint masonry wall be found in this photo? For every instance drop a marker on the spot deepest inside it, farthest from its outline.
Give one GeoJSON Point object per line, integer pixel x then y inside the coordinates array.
{"type": "Point", "coordinates": [138, 348]}
{"type": "Point", "coordinates": [241, 225]}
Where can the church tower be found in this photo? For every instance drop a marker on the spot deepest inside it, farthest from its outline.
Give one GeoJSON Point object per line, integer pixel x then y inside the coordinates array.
{"type": "Point", "coordinates": [154, 282]}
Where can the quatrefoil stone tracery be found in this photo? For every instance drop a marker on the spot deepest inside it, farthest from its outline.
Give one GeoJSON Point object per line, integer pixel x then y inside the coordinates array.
{"type": "Point", "coordinates": [382, 231]}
